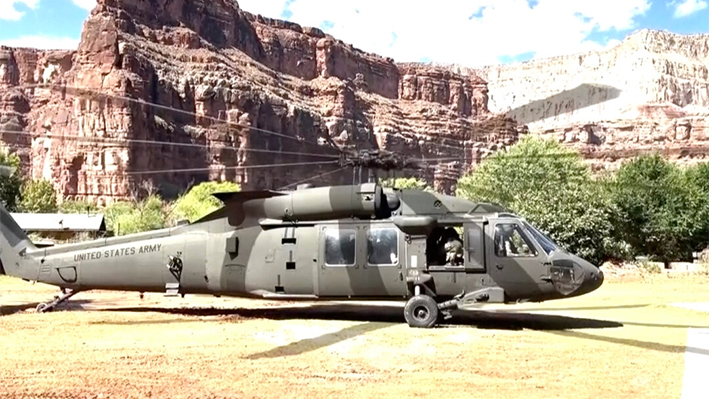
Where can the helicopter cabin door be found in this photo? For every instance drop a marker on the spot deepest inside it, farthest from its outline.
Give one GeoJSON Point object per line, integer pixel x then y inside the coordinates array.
{"type": "Point", "coordinates": [360, 260]}
{"type": "Point", "coordinates": [474, 247]}
{"type": "Point", "coordinates": [515, 262]}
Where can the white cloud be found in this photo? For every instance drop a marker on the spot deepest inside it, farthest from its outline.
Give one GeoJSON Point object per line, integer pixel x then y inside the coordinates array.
{"type": "Point", "coordinates": [472, 33]}
{"type": "Point", "coordinates": [10, 13]}
{"type": "Point", "coordinates": [267, 8]}
{"type": "Point", "coordinates": [85, 4]}
{"type": "Point", "coordinates": [43, 42]}
{"type": "Point", "coordinates": [688, 7]}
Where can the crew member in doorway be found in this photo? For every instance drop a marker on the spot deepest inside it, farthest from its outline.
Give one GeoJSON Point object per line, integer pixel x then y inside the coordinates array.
{"type": "Point", "coordinates": [453, 247]}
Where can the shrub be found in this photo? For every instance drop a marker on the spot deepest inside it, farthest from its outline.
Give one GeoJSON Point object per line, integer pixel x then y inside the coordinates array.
{"type": "Point", "coordinates": [10, 180]}
{"type": "Point", "coordinates": [551, 187]}
{"type": "Point", "coordinates": [662, 208]}
{"type": "Point", "coordinates": [199, 202]}
{"type": "Point", "coordinates": [128, 218]}
{"type": "Point", "coordinates": [38, 196]}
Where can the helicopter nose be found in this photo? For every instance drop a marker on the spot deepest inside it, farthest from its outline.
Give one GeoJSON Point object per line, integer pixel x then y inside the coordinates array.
{"type": "Point", "coordinates": [593, 277]}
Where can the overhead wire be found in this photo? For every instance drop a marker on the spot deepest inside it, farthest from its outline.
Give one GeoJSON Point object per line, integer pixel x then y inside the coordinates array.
{"type": "Point", "coordinates": [93, 94]}
{"type": "Point", "coordinates": [313, 178]}
{"type": "Point", "coordinates": [110, 140]}
{"type": "Point", "coordinates": [164, 107]}
{"type": "Point", "coordinates": [116, 140]}
{"type": "Point", "coordinates": [144, 172]}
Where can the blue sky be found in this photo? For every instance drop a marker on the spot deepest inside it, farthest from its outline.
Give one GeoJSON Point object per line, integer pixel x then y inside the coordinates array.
{"type": "Point", "coordinates": [470, 32]}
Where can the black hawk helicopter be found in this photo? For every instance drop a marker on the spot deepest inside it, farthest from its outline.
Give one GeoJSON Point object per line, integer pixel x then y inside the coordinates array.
{"type": "Point", "coordinates": [362, 242]}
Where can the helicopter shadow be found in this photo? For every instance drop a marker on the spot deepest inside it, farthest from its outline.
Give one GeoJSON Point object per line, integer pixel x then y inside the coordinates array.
{"type": "Point", "coordinates": [390, 315]}
{"type": "Point", "coordinates": [374, 317]}
{"type": "Point", "coordinates": [6, 310]}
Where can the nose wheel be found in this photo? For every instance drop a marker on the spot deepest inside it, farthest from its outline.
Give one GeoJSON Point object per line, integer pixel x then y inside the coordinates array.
{"type": "Point", "coordinates": [421, 311]}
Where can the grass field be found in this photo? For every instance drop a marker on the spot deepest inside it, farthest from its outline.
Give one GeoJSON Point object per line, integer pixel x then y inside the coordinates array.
{"type": "Point", "coordinates": [623, 341]}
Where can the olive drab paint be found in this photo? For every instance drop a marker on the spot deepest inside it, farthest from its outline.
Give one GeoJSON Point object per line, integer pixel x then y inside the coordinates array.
{"type": "Point", "coordinates": [361, 242]}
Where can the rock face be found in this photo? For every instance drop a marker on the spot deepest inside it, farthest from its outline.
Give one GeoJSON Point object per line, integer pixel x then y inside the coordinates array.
{"type": "Point", "coordinates": [655, 97]}
{"type": "Point", "coordinates": [236, 94]}
{"type": "Point", "coordinates": [174, 92]}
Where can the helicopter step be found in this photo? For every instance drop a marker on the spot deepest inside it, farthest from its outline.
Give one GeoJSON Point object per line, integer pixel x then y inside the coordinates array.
{"type": "Point", "coordinates": [58, 299]}
{"type": "Point", "coordinates": [172, 289]}
{"type": "Point", "coordinates": [175, 266]}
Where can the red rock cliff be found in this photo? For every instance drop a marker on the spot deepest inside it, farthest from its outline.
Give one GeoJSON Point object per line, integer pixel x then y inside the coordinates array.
{"type": "Point", "coordinates": [184, 70]}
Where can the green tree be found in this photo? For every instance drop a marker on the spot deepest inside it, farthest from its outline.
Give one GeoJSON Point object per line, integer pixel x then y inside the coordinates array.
{"type": "Point", "coordinates": [78, 206]}
{"type": "Point", "coordinates": [406, 183]}
{"type": "Point", "coordinates": [128, 217]}
{"type": "Point", "coordinates": [662, 208]}
{"type": "Point", "coordinates": [38, 196]}
{"type": "Point", "coordinates": [199, 202]}
{"type": "Point", "coordinates": [10, 180]}
{"type": "Point", "coordinates": [550, 186]}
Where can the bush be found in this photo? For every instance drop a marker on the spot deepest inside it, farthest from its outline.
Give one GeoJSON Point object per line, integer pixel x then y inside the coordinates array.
{"type": "Point", "coordinates": [10, 180]}
{"type": "Point", "coordinates": [38, 196]}
{"type": "Point", "coordinates": [199, 202]}
{"type": "Point", "coordinates": [128, 218]}
{"type": "Point", "coordinates": [74, 206]}
{"type": "Point", "coordinates": [663, 209]}
{"type": "Point", "coordinates": [551, 187]}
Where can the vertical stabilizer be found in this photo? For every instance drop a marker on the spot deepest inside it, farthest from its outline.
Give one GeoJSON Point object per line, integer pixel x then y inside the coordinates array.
{"type": "Point", "coordinates": [14, 244]}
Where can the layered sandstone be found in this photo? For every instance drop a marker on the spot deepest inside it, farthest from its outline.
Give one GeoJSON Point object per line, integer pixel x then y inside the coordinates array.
{"type": "Point", "coordinates": [240, 92]}
{"type": "Point", "coordinates": [649, 93]}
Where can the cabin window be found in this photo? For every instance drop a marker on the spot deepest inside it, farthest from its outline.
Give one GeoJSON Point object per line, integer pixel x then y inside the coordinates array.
{"type": "Point", "coordinates": [382, 247]}
{"type": "Point", "coordinates": [510, 241]}
{"type": "Point", "coordinates": [340, 247]}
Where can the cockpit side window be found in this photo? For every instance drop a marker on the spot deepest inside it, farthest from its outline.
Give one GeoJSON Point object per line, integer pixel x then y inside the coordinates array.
{"type": "Point", "coordinates": [510, 241]}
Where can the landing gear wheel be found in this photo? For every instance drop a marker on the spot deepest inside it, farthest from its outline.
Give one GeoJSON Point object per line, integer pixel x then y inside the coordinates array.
{"type": "Point", "coordinates": [421, 311]}
{"type": "Point", "coordinates": [43, 307]}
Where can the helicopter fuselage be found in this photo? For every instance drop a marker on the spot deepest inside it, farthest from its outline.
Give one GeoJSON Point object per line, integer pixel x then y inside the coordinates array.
{"type": "Point", "coordinates": [354, 242]}
{"type": "Point", "coordinates": [336, 259]}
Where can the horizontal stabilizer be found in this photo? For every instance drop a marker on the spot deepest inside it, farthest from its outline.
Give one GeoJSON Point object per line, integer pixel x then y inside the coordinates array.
{"type": "Point", "coordinates": [242, 196]}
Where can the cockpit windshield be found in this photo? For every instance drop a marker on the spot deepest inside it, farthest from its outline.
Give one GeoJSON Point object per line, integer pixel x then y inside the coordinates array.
{"type": "Point", "coordinates": [547, 243]}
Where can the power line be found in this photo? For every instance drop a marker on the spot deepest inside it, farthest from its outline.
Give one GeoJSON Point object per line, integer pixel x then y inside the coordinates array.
{"type": "Point", "coordinates": [144, 172]}
{"type": "Point", "coordinates": [164, 107]}
{"type": "Point", "coordinates": [107, 140]}
{"type": "Point", "coordinates": [312, 178]}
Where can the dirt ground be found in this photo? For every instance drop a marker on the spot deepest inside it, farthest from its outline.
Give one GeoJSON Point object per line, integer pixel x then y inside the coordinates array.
{"type": "Point", "coordinates": [623, 341]}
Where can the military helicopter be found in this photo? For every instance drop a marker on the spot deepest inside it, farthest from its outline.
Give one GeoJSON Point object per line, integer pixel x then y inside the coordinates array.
{"type": "Point", "coordinates": [359, 241]}
{"type": "Point", "coordinates": [362, 242]}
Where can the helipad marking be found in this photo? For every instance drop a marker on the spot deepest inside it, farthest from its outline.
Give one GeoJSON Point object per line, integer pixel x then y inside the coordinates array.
{"type": "Point", "coordinates": [696, 364]}
{"type": "Point", "coordinates": [698, 306]}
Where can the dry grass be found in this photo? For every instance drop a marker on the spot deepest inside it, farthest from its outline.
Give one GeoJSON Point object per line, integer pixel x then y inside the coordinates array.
{"type": "Point", "coordinates": [623, 341]}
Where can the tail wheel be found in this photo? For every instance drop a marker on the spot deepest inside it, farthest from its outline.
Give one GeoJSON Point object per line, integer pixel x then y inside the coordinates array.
{"type": "Point", "coordinates": [43, 307]}
{"type": "Point", "coordinates": [421, 311]}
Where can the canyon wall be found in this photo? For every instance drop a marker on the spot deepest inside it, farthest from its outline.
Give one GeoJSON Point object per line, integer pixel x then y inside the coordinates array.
{"type": "Point", "coordinates": [649, 93]}
{"type": "Point", "coordinates": [173, 93]}
{"type": "Point", "coordinates": [263, 102]}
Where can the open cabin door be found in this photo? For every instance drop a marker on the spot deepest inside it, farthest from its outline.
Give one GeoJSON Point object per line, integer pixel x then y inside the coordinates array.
{"type": "Point", "coordinates": [475, 246]}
